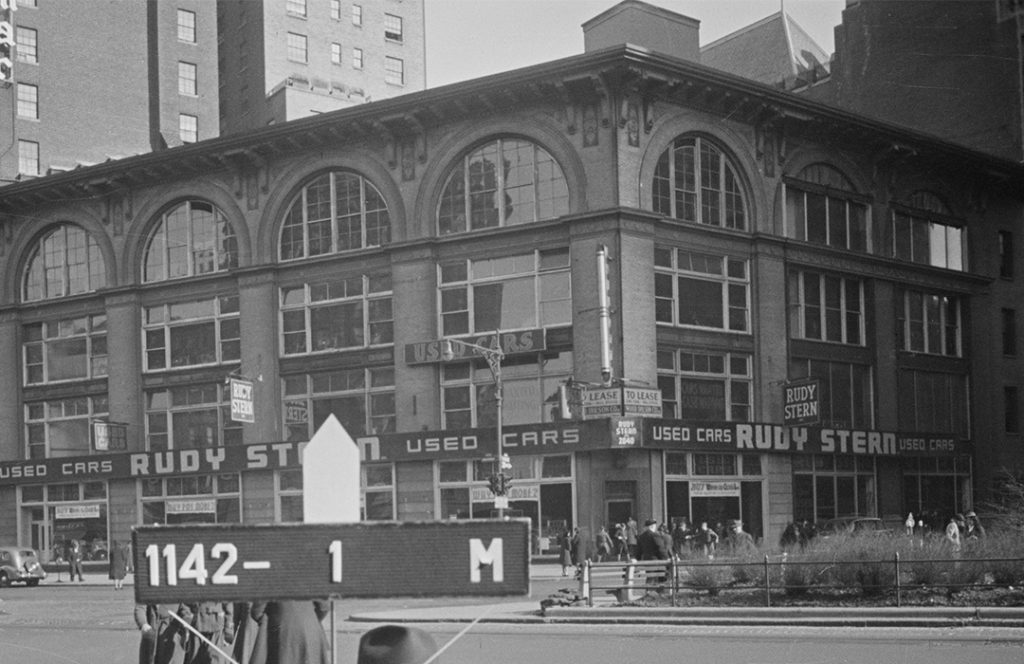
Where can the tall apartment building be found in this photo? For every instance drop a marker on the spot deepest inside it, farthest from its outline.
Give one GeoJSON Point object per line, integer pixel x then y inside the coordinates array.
{"type": "Point", "coordinates": [92, 81]}
{"type": "Point", "coordinates": [696, 251]}
{"type": "Point", "coordinates": [287, 59]}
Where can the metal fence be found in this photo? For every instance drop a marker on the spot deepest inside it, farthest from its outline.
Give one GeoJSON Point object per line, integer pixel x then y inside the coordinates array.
{"type": "Point", "coordinates": [780, 574]}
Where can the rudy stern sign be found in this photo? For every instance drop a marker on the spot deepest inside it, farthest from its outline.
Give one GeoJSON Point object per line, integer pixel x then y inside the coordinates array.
{"type": "Point", "coordinates": [802, 402]}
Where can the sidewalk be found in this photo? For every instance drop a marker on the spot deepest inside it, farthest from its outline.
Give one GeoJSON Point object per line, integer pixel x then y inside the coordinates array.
{"type": "Point", "coordinates": [529, 611]}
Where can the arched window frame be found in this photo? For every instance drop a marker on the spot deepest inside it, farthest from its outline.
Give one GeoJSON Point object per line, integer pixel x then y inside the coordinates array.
{"type": "Point", "coordinates": [925, 232]}
{"type": "Point", "coordinates": [823, 207]}
{"type": "Point", "coordinates": [696, 180]}
{"type": "Point", "coordinates": [192, 238]}
{"type": "Point", "coordinates": [534, 187]}
{"type": "Point", "coordinates": [315, 224]}
{"type": "Point", "coordinates": [65, 261]}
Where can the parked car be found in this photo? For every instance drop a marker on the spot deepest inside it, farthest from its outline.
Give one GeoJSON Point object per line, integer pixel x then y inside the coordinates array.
{"type": "Point", "coordinates": [856, 526]}
{"type": "Point", "coordinates": [19, 564]}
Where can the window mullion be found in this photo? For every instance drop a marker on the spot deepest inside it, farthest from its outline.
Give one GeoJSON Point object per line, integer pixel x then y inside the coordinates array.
{"type": "Point", "coordinates": [499, 183]}
{"type": "Point", "coordinates": [363, 237]}
{"type": "Point", "coordinates": [335, 240]}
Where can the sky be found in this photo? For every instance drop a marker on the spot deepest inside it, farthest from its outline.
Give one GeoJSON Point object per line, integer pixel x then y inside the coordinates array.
{"type": "Point", "coordinates": [472, 38]}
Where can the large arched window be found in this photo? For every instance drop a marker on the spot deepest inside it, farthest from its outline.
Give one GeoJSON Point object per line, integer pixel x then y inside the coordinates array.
{"type": "Point", "coordinates": [192, 238]}
{"type": "Point", "coordinates": [337, 211]}
{"type": "Point", "coordinates": [695, 181]}
{"type": "Point", "coordinates": [504, 182]}
{"type": "Point", "coordinates": [65, 261]}
{"type": "Point", "coordinates": [823, 207]}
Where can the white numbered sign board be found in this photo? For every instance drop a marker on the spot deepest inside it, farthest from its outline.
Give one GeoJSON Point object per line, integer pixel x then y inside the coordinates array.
{"type": "Point", "coordinates": [227, 563]}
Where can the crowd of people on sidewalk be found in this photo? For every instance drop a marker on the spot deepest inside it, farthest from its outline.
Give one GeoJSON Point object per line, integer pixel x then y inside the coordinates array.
{"type": "Point", "coordinates": [654, 540]}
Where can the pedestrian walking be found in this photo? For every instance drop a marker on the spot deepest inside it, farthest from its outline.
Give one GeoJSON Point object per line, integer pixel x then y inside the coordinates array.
{"type": "Point", "coordinates": [631, 535]}
{"type": "Point", "coordinates": [118, 566]}
{"type": "Point", "coordinates": [75, 561]}
{"type": "Point", "coordinates": [603, 544]}
{"type": "Point", "coordinates": [706, 540]}
{"type": "Point", "coordinates": [740, 542]}
{"type": "Point", "coordinates": [953, 532]}
{"type": "Point", "coordinates": [565, 551]}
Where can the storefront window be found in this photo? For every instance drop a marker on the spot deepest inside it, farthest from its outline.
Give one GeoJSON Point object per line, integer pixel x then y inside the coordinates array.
{"type": "Point", "coordinates": [55, 515]}
{"type": "Point", "coordinates": [833, 486]}
{"type": "Point", "coordinates": [378, 481]}
{"type": "Point", "coordinates": [714, 488]}
{"type": "Point", "coordinates": [192, 499]}
{"type": "Point", "coordinates": [289, 495]}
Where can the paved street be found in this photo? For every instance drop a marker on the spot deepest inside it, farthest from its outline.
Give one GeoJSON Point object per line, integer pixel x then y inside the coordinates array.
{"type": "Point", "coordinates": [86, 623]}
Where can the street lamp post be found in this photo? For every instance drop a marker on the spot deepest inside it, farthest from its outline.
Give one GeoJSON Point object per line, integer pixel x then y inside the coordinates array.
{"type": "Point", "coordinates": [493, 357]}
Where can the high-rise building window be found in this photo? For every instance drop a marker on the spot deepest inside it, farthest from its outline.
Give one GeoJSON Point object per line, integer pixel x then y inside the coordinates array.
{"type": "Point", "coordinates": [297, 47]}
{"type": "Point", "coordinates": [357, 58]}
{"type": "Point", "coordinates": [27, 43]}
{"type": "Point", "coordinates": [393, 27]}
{"type": "Point", "coordinates": [394, 71]}
{"type": "Point", "coordinates": [28, 101]}
{"type": "Point", "coordinates": [693, 289]}
{"type": "Point", "coordinates": [296, 7]}
{"type": "Point", "coordinates": [186, 26]}
{"type": "Point", "coordinates": [1011, 409]}
{"type": "Point", "coordinates": [928, 323]}
{"type": "Point", "coordinates": [336, 53]}
{"type": "Point", "coordinates": [923, 232]}
{"type": "Point", "coordinates": [696, 181]}
{"type": "Point", "coordinates": [28, 157]}
{"type": "Point", "coordinates": [1009, 331]}
{"type": "Point", "coordinates": [65, 261]}
{"type": "Point", "coordinates": [357, 15]}
{"type": "Point", "coordinates": [335, 212]}
{"type": "Point", "coordinates": [826, 307]}
{"type": "Point", "coordinates": [822, 207]}
{"type": "Point", "coordinates": [191, 239]}
{"type": "Point", "coordinates": [187, 79]}
{"type": "Point", "coordinates": [336, 9]}
{"type": "Point", "coordinates": [1006, 254]}
{"type": "Point", "coordinates": [503, 182]}
{"type": "Point", "coordinates": [188, 128]}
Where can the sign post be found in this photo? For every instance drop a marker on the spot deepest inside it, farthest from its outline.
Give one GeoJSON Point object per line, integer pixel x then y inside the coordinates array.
{"type": "Point", "coordinates": [235, 563]}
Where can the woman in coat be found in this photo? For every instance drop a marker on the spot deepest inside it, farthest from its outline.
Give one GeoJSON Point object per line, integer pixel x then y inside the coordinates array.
{"type": "Point", "coordinates": [290, 632]}
{"type": "Point", "coordinates": [565, 551]}
{"type": "Point", "coordinates": [118, 565]}
{"type": "Point", "coordinates": [164, 639]}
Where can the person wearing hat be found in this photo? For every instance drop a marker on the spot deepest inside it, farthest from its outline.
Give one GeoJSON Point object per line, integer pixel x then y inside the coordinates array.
{"type": "Point", "coordinates": [740, 541]}
{"type": "Point", "coordinates": [395, 644]}
{"type": "Point", "coordinates": [650, 545]}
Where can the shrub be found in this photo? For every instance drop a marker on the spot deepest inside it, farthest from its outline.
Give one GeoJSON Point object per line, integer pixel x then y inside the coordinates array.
{"type": "Point", "coordinates": [709, 577]}
{"type": "Point", "coordinates": [1004, 551]}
